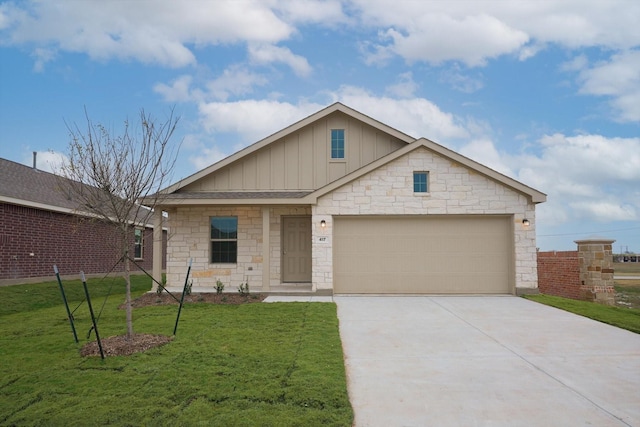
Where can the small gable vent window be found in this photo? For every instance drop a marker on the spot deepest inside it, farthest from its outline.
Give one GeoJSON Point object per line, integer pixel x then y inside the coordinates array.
{"type": "Point", "coordinates": [421, 182]}
{"type": "Point", "coordinates": [337, 143]}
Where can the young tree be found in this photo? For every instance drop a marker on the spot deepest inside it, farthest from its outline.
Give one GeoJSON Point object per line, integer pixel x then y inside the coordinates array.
{"type": "Point", "coordinates": [108, 174]}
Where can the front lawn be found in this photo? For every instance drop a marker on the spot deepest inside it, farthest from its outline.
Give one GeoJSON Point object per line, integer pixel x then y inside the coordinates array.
{"type": "Point", "coordinates": [21, 298]}
{"type": "Point", "coordinates": [252, 364]}
{"type": "Point", "coordinates": [626, 318]}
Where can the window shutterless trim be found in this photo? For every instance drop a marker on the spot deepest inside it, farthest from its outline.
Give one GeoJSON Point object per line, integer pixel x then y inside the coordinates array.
{"type": "Point", "coordinates": [338, 146]}
{"type": "Point", "coordinates": [138, 246]}
{"type": "Point", "coordinates": [224, 240]}
{"type": "Point", "coordinates": [421, 182]}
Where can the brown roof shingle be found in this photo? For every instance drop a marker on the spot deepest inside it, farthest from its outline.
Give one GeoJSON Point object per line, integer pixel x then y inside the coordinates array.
{"type": "Point", "coordinates": [22, 182]}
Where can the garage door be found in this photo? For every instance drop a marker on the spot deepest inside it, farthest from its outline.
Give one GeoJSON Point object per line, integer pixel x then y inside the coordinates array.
{"type": "Point", "coordinates": [422, 255]}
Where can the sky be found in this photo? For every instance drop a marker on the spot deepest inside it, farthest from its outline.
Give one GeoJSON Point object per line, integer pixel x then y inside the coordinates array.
{"type": "Point", "coordinates": [546, 92]}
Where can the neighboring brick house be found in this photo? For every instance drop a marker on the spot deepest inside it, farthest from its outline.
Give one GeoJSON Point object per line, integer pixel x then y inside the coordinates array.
{"type": "Point", "coordinates": [341, 203]}
{"type": "Point", "coordinates": [40, 226]}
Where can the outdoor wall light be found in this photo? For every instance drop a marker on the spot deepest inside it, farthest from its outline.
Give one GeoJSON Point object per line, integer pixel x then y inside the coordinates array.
{"type": "Point", "coordinates": [525, 222]}
{"type": "Point", "coordinates": [323, 223]}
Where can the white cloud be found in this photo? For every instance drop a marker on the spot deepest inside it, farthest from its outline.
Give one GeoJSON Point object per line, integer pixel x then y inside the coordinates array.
{"type": "Point", "coordinates": [253, 120]}
{"type": "Point", "coordinates": [483, 151]}
{"type": "Point", "coordinates": [614, 210]}
{"type": "Point", "coordinates": [267, 54]}
{"type": "Point", "coordinates": [178, 91]}
{"type": "Point", "coordinates": [42, 56]}
{"type": "Point", "coordinates": [577, 63]}
{"type": "Point", "coordinates": [159, 32]}
{"type": "Point", "coordinates": [405, 88]}
{"type": "Point", "coordinates": [375, 54]}
{"type": "Point", "coordinates": [619, 79]}
{"type": "Point", "coordinates": [470, 39]}
{"type": "Point", "coordinates": [587, 177]}
{"type": "Point", "coordinates": [469, 31]}
{"type": "Point", "coordinates": [416, 116]}
{"type": "Point", "coordinates": [530, 50]}
{"type": "Point", "coordinates": [207, 156]}
{"type": "Point", "coordinates": [474, 31]}
{"type": "Point", "coordinates": [206, 151]}
{"type": "Point", "coordinates": [313, 11]}
{"type": "Point", "coordinates": [5, 15]}
{"type": "Point", "coordinates": [235, 80]}
{"type": "Point", "coordinates": [461, 82]}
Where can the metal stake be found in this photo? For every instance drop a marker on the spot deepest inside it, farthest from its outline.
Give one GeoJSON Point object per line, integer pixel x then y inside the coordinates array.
{"type": "Point", "coordinates": [93, 318]}
{"type": "Point", "coordinates": [66, 304]}
{"type": "Point", "coordinates": [184, 290]}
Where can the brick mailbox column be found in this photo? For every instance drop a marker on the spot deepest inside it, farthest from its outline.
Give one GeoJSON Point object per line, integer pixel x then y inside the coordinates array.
{"type": "Point", "coordinates": [595, 258]}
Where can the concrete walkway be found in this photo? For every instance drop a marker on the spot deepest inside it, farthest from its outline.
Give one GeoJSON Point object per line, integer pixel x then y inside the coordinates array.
{"type": "Point", "coordinates": [485, 361]}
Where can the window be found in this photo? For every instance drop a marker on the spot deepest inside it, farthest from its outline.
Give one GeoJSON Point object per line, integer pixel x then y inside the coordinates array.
{"type": "Point", "coordinates": [224, 239]}
{"type": "Point", "coordinates": [420, 182]}
{"type": "Point", "coordinates": [138, 243]}
{"type": "Point", "coordinates": [337, 143]}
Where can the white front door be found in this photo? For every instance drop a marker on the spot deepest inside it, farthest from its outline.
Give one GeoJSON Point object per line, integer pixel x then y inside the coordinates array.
{"type": "Point", "coordinates": [296, 249]}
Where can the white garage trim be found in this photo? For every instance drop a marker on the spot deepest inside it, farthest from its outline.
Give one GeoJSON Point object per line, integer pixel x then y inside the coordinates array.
{"type": "Point", "coordinates": [423, 254]}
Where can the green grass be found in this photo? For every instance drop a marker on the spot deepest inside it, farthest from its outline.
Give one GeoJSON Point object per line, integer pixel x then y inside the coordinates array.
{"type": "Point", "coordinates": [621, 317]}
{"type": "Point", "coordinates": [21, 298]}
{"type": "Point", "coordinates": [253, 364]}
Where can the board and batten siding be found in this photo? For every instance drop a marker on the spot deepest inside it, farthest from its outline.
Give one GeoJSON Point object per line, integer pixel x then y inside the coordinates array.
{"type": "Point", "coordinates": [301, 160]}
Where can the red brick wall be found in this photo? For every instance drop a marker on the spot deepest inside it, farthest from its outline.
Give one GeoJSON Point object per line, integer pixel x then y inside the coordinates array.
{"type": "Point", "coordinates": [72, 243]}
{"type": "Point", "coordinates": [559, 274]}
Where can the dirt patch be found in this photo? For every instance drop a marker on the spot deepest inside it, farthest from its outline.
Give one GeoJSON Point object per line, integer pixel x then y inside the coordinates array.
{"type": "Point", "coordinates": [151, 299]}
{"type": "Point", "coordinates": [121, 346]}
{"type": "Point", "coordinates": [627, 294]}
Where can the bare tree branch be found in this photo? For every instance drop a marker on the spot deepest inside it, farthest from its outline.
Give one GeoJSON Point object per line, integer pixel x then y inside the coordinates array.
{"type": "Point", "coordinates": [108, 174]}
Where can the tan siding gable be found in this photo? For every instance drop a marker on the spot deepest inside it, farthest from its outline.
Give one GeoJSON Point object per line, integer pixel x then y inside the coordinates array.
{"type": "Point", "coordinates": [301, 159]}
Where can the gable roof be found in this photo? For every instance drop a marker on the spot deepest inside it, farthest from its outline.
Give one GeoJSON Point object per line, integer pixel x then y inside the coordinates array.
{"type": "Point", "coordinates": [174, 197]}
{"type": "Point", "coordinates": [283, 133]}
{"type": "Point", "coordinates": [535, 195]}
{"type": "Point", "coordinates": [311, 197]}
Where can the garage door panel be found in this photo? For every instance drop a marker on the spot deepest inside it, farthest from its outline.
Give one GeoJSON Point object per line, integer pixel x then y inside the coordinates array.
{"type": "Point", "coordinates": [418, 254]}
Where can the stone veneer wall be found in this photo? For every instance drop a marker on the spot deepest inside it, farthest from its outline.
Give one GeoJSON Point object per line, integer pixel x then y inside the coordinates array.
{"type": "Point", "coordinates": [190, 238]}
{"type": "Point", "coordinates": [453, 189]}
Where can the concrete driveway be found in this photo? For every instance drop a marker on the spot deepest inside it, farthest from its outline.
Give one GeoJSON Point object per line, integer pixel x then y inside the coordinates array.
{"type": "Point", "coordinates": [485, 361]}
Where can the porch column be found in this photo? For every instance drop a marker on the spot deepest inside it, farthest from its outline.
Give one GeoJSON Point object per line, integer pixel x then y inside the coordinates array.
{"type": "Point", "coordinates": [157, 247]}
{"type": "Point", "coordinates": [266, 250]}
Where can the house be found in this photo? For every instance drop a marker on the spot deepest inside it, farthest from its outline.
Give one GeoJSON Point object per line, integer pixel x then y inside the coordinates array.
{"type": "Point", "coordinates": [342, 203]}
{"type": "Point", "coordinates": [41, 225]}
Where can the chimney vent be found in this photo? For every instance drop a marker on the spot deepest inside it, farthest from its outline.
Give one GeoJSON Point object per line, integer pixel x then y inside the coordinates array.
{"type": "Point", "coordinates": [35, 155]}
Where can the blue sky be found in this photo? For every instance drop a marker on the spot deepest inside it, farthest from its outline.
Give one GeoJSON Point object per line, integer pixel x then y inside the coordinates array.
{"type": "Point", "coordinates": [547, 92]}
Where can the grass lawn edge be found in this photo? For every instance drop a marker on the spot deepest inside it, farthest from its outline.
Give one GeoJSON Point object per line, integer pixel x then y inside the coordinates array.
{"type": "Point", "coordinates": [623, 318]}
